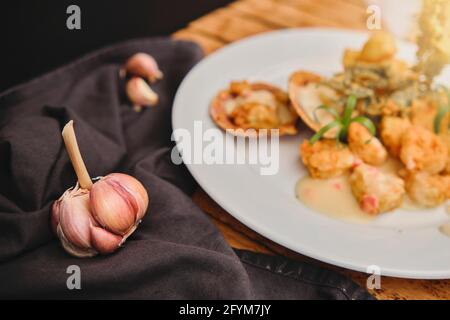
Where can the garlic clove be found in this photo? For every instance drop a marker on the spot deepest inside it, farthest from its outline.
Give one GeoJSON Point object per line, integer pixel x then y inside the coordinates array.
{"type": "Point", "coordinates": [75, 218]}
{"type": "Point", "coordinates": [72, 249]}
{"type": "Point", "coordinates": [104, 241]}
{"type": "Point", "coordinates": [54, 222]}
{"type": "Point", "coordinates": [145, 66]}
{"type": "Point", "coordinates": [135, 187]}
{"type": "Point", "coordinates": [140, 93]}
{"type": "Point", "coordinates": [113, 206]}
{"type": "Point", "coordinates": [118, 202]}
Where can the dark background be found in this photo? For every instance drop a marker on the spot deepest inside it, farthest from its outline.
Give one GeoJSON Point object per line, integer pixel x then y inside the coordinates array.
{"type": "Point", "coordinates": [34, 37]}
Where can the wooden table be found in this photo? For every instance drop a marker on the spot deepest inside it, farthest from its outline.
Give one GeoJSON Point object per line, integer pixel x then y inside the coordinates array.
{"type": "Point", "coordinates": [244, 18]}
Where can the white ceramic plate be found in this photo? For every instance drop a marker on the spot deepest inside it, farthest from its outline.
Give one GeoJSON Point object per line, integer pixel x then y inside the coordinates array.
{"type": "Point", "coordinates": [402, 244]}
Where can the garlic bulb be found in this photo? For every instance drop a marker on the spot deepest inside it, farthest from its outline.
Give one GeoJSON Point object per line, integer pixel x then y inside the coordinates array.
{"type": "Point", "coordinates": [140, 93]}
{"type": "Point", "coordinates": [143, 65]}
{"type": "Point", "coordinates": [92, 219]}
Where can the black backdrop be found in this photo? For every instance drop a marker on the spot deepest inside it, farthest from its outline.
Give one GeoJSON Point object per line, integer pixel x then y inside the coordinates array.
{"type": "Point", "coordinates": [34, 37]}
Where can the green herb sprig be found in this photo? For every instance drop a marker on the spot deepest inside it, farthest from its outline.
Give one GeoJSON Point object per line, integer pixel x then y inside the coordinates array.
{"type": "Point", "coordinates": [444, 109]}
{"type": "Point", "coordinates": [343, 122]}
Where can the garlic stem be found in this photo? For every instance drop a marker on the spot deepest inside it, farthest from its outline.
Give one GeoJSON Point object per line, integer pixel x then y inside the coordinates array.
{"type": "Point", "coordinates": [70, 140]}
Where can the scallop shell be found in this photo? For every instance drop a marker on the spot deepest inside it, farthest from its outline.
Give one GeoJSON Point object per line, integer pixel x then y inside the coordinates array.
{"type": "Point", "coordinates": [296, 81]}
{"type": "Point", "coordinates": [222, 120]}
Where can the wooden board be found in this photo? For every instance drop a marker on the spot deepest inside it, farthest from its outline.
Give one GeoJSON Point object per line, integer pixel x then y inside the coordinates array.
{"type": "Point", "coordinates": [244, 18]}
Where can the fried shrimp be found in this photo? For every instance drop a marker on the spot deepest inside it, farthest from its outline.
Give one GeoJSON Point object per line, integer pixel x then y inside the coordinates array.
{"type": "Point", "coordinates": [447, 185]}
{"type": "Point", "coordinates": [422, 150]}
{"type": "Point", "coordinates": [423, 113]}
{"type": "Point", "coordinates": [391, 132]}
{"type": "Point", "coordinates": [446, 138]}
{"type": "Point", "coordinates": [426, 190]}
{"type": "Point", "coordinates": [326, 158]}
{"type": "Point", "coordinates": [368, 148]}
{"type": "Point", "coordinates": [375, 191]}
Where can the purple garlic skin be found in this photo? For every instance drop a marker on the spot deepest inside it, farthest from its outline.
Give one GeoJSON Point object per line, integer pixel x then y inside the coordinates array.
{"type": "Point", "coordinates": [99, 221]}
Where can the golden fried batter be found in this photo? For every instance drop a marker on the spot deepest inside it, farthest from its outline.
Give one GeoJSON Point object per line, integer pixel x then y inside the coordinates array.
{"type": "Point", "coordinates": [379, 47]}
{"type": "Point", "coordinates": [391, 132]}
{"type": "Point", "coordinates": [369, 149]}
{"type": "Point", "coordinates": [423, 113]}
{"type": "Point", "coordinates": [422, 150]}
{"type": "Point", "coordinates": [375, 191]}
{"type": "Point", "coordinates": [255, 115]}
{"type": "Point", "coordinates": [446, 138]}
{"type": "Point", "coordinates": [447, 185]}
{"type": "Point", "coordinates": [238, 88]}
{"type": "Point", "coordinates": [326, 158]}
{"type": "Point", "coordinates": [426, 190]}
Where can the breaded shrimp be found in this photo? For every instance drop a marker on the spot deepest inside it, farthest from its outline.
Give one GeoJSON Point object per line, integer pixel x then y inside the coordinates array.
{"type": "Point", "coordinates": [375, 191]}
{"type": "Point", "coordinates": [391, 132]}
{"type": "Point", "coordinates": [366, 147]}
{"type": "Point", "coordinates": [446, 138]}
{"type": "Point", "coordinates": [326, 158]}
{"type": "Point", "coordinates": [423, 113]}
{"type": "Point", "coordinates": [422, 150]}
{"type": "Point", "coordinates": [426, 190]}
{"type": "Point", "coordinates": [447, 185]}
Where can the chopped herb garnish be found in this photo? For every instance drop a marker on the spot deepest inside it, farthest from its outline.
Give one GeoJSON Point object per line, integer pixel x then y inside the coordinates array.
{"type": "Point", "coordinates": [443, 110]}
{"type": "Point", "coordinates": [344, 122]}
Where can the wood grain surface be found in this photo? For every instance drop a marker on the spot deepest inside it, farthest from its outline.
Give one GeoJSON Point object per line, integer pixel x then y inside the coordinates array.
{"type": "Point", "coordinates": [244, 18]}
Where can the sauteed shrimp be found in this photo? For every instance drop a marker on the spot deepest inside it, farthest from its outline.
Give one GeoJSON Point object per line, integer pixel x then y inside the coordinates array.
{"type": "Point", "coordinates": [326, 158]}
{"type": "Point", "coordinates": [375, 191]}
{"type": "Point", "coordinates": [422, 150]}
{"type": "Point", "coordinates": [368, 148]}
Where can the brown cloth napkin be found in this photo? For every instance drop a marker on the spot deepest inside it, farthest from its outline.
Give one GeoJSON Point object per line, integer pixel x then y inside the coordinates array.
{"type": "Point", "coordinates": [176, 253]}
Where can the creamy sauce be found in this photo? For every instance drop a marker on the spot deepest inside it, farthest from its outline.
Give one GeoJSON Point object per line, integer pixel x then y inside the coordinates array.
{"type": "Point", "coordinates": [445, 229]}
{"type": "Point", "coordinates": [334, 198]}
